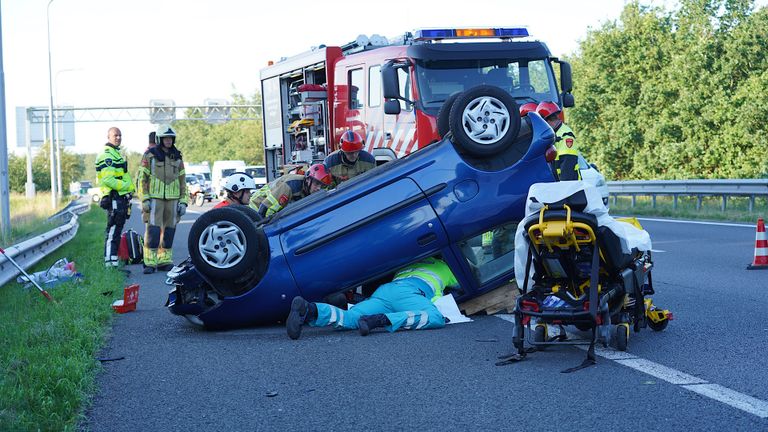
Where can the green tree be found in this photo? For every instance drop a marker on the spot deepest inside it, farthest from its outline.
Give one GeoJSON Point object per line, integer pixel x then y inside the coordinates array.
{"type": "Point", "coordinates": [236, 139]}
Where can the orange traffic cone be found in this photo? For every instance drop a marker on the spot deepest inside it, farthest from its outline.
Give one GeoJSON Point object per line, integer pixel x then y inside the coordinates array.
{"type": "Point", "coordinates": [761, 248]}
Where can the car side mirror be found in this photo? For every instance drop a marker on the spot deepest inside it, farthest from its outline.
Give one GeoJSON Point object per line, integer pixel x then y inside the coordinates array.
{"type": "Point", "coordinates": [392, 106]}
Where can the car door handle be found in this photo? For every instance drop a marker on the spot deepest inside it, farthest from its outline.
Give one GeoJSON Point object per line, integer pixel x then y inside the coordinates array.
{"type": "Point", "coordinates": [427, 239]}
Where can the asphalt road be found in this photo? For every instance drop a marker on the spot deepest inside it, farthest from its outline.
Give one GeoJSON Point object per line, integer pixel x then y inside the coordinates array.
{"type": "Point", "coordinates": [706, 371]}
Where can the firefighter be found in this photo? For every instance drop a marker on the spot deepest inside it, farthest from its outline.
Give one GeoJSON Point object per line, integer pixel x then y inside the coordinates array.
{"type": "Point", "coordinates": [164, 198]}
{"type": "Point", "coordinates": [350, 160]}
{"type": "Point", "coordinates": [275, 195]}
{"type": "Point", "coordinates": [116, 188]}
{"type": "Point", "coordinates": [238, 188]}
{"type": "Point", "coordinates": [407, 302]}
{"type": "Point", "coordinates": [567, 160]}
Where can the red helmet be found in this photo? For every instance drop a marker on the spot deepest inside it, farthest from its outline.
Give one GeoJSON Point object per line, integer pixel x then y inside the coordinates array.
{"type": "Point", "coordinates": [526, 108]}
{"type": "Point", "coordinates": [351, 141]}
{"type": "Point", "coordinates": [547, 108]}
{"type": "Point", "coordinates": [318, 173]}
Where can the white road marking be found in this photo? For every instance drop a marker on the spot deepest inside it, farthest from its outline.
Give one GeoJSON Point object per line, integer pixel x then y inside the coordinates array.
{"type": "Point", "coordinates": [698, 222]}
{"type": "Point", "coordinates": [697, 385]}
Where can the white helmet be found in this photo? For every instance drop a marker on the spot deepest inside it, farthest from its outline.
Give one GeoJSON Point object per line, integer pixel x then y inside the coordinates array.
{"type": "Point", "coordinates": [239, 181]}
{"type": "Point", "coordinates": [164, 130]}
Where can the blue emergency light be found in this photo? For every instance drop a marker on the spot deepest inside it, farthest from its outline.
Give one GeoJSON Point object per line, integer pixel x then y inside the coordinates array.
{"type": "Point", "coordinates": [503, 32]}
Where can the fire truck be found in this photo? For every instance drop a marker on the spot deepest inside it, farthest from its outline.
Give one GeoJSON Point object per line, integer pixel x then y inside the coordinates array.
{"type": "Point", "coordinates": [391, 92]}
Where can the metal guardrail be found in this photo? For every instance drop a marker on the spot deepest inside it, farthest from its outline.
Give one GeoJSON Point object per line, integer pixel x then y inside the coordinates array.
{"type": "Point", "coordinates": [31, 251]}
{"type": "Point", "coordinates": [699, 188]}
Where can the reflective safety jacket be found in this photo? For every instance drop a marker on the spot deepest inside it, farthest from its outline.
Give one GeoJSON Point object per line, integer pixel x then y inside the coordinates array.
{"type": "Point", "coordinates": [565, 144]}
{"type": "Point", "coordinates": [432, 271]}
{"type": "Point", "coordinates": [275, 195]}
{"type": "Point", "coordinates": [162, 175]}
{"type": "Point", "coordinates": [342, 170]}
{"type": "Point", "coordinates": [112, 172]}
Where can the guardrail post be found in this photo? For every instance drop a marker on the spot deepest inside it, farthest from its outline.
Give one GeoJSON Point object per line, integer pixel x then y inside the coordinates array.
{"type": "Point", "coordinates": [751, 203]}
{"type": "Point", "coordinates": [653, 200]}
{"type": "Point", "coordinates": [674, 202]}
{"type": "Point", "coordinates": [634, 200]}
{"type": "Point", "coordinates": [698, 202]}
{"type": "Point", "coordinates": [615, 199]}
{"type": "Point", "coordinates": [725, 203]}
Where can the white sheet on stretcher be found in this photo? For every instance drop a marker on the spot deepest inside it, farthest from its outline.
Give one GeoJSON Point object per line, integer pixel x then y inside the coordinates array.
{"type": "Point", "coordinates": [631, 236]}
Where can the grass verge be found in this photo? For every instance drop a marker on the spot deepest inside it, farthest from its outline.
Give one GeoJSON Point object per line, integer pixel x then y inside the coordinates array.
{"type": "Point", "coordinates": [49, 349]}
{"type": "Point", "coordinates": [737, 209]}
{"type": "Point", "coordinates": [29, 217]}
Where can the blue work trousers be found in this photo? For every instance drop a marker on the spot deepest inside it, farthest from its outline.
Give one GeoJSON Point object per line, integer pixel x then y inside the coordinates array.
{"type": "Point", "coordinates": [405, 302]}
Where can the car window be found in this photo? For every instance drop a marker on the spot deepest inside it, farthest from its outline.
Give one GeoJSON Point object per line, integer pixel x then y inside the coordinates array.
{"type": "Point", "coordinates": [583, 163]}
{"type": "Point", "coordinates": [491, 253]}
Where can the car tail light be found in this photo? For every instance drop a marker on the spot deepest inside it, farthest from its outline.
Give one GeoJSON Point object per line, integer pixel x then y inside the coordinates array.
{"type": "Point", "coordinates": [550, 154]}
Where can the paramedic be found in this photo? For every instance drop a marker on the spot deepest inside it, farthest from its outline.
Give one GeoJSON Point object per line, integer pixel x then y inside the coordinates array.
{"type": "Point", "coordinates": [567, 160]}
{"type": "Point", "coordinates": [350, 160]}
{"type": "Point", "coordinates": [275, 195]}
{"type": "Point", "coordinates": [238, 188]}
{"type": "Point", "coordinates": [116, 188]}
{"type": "Point", "coordinates": [406, 302]}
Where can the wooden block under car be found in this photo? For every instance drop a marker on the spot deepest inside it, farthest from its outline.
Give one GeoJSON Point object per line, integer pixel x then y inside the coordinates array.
{"type": "Point", "coordinates": [502, 298]}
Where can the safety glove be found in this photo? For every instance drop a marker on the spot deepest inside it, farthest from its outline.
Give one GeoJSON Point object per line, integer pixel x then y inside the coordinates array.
{"type": "Point", "coordinates": [181, 209]}
{"type": "Point", "coordinates": [145, 206]}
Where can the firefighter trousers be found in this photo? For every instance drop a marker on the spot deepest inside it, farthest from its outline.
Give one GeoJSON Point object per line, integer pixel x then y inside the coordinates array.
{"type": "Point", "coordinates": [160, 230]}
{"type": "Point", "coordinates": [403, 301]}
{"type": "Point", "coordinates": [117, 214]}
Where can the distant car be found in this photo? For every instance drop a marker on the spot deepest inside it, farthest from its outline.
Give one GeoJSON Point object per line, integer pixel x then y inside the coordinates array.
{"type": "Point", "coordinates": [258, 173]}
{"type": "Point", "coordinates": [439, 201]}
{"type": "Point", "coordinates": [593, 176]}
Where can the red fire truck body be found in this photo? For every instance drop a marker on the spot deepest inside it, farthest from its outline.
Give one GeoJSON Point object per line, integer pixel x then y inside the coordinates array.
{"type": "Point", "coordinates": [392, 93]}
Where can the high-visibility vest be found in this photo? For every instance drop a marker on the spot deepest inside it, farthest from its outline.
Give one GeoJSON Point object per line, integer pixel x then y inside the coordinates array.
{"type": "Point", "coordinates": [565, 141]}
{"type": "Point", "coordinates": [341, 171]}
{"type": "Point", "coordinates": [275, 195]}
{"type": "Point", "coordinates": [112, 172]}
{"type": "Point", "coordinates": [434, 272]}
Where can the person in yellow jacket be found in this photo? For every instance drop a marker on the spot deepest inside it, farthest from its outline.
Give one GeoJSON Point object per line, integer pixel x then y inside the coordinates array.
{"type": "Point", "coordinates": [567, 160]}
{"type": "Point", "coordinates": [275, 195]}
{"type": "Point", "coordinates": [163, 198]}
{"type": "Point", "coordinates": [116, 189]}
{"type": "Point", "coordinates": [407, 302]}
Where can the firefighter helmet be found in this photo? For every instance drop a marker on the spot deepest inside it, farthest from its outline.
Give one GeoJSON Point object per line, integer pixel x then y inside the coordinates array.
{"type": "Point", "coordinates": [164, 130]}
{"type": "Point", "coordinates": [239, 181]}
{"type": "Point", "coordinates": [527, 107]}
{"type": "Point", "coordinates": [351, 141]}
{"type": "Point", "coordinates": [547, 108]}
{"type": "Point", "coordinates": [317, 174]}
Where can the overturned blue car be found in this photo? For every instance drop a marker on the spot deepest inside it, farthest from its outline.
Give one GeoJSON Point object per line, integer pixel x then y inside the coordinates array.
{"type": "Point", "coordinates": [440, 201]}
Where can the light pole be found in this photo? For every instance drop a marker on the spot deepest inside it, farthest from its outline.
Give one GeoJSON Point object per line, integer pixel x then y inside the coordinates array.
{"type": "Point", "coordinates": [50, 110]}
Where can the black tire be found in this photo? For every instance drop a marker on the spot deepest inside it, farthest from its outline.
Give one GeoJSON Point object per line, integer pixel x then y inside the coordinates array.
{"type": "Point", "coordinates": [252, 214]}
{"type": "Point", "coordinates": [443, 115]}
{"type": "Point", "coordinates": [658, 326]}
{"type": "Point", "coordinates": [243, 238]}
{"type": "Point", "coordinates": [622, 337]}
{"type": "Point", "coordinates": [501, 134]}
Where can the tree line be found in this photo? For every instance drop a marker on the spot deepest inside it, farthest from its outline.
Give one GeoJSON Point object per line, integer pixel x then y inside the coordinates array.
{"type": "Point", "coordinates": [675, 94]}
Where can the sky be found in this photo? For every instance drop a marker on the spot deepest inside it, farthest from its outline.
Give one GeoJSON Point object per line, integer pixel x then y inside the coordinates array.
{"type": "Point", "coordinates": [109, 53]}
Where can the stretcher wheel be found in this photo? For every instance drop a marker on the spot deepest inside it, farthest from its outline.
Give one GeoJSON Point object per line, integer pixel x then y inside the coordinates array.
{"type": "Point", "coordinates": [622, 336]}
{"type": "Point", "coordinates": [658, 326]}
{"type": "Point", "coordinates": [540, 334]}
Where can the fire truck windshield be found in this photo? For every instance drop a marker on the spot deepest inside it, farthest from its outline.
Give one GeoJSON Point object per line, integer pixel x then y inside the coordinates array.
{"type": "Point", "coordinates": [525, 80]}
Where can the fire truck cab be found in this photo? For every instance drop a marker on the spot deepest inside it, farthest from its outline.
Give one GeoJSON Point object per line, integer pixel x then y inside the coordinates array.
{"type": "Point", "coordinates": [392, 93]}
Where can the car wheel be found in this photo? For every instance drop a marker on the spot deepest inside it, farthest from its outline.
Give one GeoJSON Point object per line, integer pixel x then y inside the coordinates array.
{"type": "Point", "coordinates": [252, 214]}
{"type": "Point", "coordinates": [224, 244]}
{"type": "Point", "coordinates": [484, 121]}
{"type": "Point", "coordinates": [444, 114]}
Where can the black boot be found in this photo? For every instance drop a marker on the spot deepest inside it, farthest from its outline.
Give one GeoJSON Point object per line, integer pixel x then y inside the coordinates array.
{"type": "Point", "coordinates": [302, 312]}
{"type": "Point", "coordinates": [369, 322]}
{"type": "Point", "coordinates": [148, 269]}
